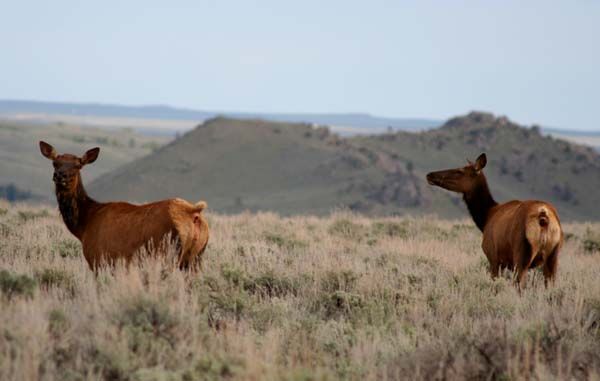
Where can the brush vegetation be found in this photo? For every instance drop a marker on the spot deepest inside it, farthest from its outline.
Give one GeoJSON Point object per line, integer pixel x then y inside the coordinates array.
{"type": "Point", "coordinates": [301, 298]}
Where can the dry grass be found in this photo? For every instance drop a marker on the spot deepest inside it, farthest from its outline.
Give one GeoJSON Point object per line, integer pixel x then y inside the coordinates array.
{"type": "Point", "coordinates": [303, 298]}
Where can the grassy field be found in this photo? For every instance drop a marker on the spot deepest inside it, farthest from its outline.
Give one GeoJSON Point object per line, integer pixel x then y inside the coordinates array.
{"type": "Point", "coordinates": [302, 298]}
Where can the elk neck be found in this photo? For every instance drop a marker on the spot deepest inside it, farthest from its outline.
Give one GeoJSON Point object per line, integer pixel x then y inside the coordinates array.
{"type": "Point", "coordinates": [75, 207]}
{"type": "Point", "coordinates": [479, 201]}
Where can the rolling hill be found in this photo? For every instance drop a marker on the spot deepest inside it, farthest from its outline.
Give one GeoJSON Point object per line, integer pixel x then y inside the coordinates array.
{"type": "Point", "coordinates": [26, 175]}
{"type": "Point", "coordinates": [289, 168]}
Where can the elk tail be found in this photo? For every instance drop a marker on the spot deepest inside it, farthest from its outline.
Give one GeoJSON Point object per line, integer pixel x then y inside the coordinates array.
{"type": "Point", "coordinates": [543, 218]}
{"type": "Point", "coordinates": [200, 206]}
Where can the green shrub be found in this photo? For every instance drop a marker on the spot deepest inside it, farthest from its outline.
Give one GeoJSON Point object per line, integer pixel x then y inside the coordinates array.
{"type": "Point", "coordinates": [264, 316]}
{"type": "Point", "coordinates": [28, 216]}
{"type": "Point", "coordinates": [345, 228]}
{"type": "Point", "coordinates": [57, 322]}
{"type": "Point", "coordinates": [390, 229]}
{"type": "Point", "coordinates": [234, 276]}
{"type": "Point", "coordinates": [231, 304]}
{"type": "Point", "coordinates": [16, 285]}
{"type": "Point", "coordinates": [341, 303]}
{"type": "Point", "coordinates": [286, 243]}
{"type": "Point", "coordinates": [49, 278]}
{"type": "Point", "coordinates": [213, 367]}
{"type": "Point", "coordinates": [5, 229]}
{"type": "Point", "coordinates": [148, 323]}
{"type": "Point", "coordinates": [68, 248]}
{"type": "Point", "coordinates": [271, 285]}
{"type": "Point", "coordinates": [339, 281]}
{"type": "Point", "coordinates": [591, 241]}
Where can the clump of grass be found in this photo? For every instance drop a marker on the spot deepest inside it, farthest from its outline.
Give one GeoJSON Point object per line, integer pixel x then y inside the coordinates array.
{"type": "Point", "coordinates": [344, 228]}
{"type": "Point", "coordinates": [55, 278]}
{"type": "Point", "coordinates": [333, 281]}
{"type": "Point", "coordinates": [32, 215]}
{"type": "Point", "coordinates": [269, 284]}
{"type": "Point", "coordinates": [591, 241]}
{"type": "Point", "coordinates": [5, 229]}
{"type": "Point", "coordinates": [13, 284]}
{"type": "Point", "coordinates": [288, 243]}
{"type": "Point", "coordinates": [234, 276]}
{"type": "Point", "coordinates": [266, 284]}
{"type": "Point", "coordinates": [67, 248]}
{"type": "Point", "coordinates": [213, 367]}
{"type": "Point", "coordinates": [390, 229]}
{"type": "Point", "coordinates": [227, 305]}
{"type": "Point", "coordinates": [149, 324]}
{"type": "Point", "coordinates": [147, 315]}
{"type": "Point", "coordinates": [340, 304]}
{"type": "Point", "coordinates": [58, 322]}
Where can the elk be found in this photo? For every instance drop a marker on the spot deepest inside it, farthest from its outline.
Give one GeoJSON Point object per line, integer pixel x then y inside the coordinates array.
{"type": "Point", "coordinates": [516, 234]}
{"type": "Point", "coordinates": [115, 231]}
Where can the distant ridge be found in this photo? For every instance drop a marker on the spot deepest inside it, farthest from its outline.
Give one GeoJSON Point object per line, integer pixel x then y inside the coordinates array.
{"type": "Point", "coordinates": [354, 120]}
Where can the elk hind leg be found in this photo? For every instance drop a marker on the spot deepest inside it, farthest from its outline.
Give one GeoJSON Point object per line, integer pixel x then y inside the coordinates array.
{"type": "Point", "coordinates": [550, 267]}
{"type": "Point", "coordinates": [523, 263]}
{"type": "Point", "coordinates": [494, 269]}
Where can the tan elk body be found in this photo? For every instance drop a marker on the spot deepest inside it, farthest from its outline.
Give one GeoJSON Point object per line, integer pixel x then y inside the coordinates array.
{"type": "Point", "coordinates": [517, 235]}
{"type": "Point", "coordinates": [115, 231]}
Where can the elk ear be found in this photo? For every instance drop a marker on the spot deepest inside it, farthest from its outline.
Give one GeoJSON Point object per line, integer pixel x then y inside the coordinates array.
{"type": "Point", "coordinates": [47, 150]}
{"type": "Point", "coordinates": [480, 162]}
{"type": "Point", "coordinates": [90, 156]}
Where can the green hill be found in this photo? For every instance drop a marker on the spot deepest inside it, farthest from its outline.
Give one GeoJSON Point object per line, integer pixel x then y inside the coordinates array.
{"type": "Point", "coordinates": [289, 168]}
{"type": "Point", "coordinates": [25, 174]}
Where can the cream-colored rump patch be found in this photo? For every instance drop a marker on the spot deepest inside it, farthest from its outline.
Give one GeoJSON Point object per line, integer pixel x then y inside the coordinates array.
{"type": "Point", "coordinates": [543, 239]}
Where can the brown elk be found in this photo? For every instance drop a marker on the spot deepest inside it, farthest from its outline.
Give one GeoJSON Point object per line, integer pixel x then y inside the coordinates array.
{"type": "Point", "coordinates": [115, 231]}
{"type": "Point", "coordinates": [516, 234]}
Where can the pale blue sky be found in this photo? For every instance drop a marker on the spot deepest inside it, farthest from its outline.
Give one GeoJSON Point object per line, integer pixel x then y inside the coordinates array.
{"type": "Point", "coordinates": [535, 61]}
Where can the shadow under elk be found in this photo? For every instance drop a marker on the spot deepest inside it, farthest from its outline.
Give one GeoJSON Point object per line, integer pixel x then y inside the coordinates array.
{"type": "Point", "coordinates": [115, 231]}
{"type": "Point", "coordinates": [516, 234]}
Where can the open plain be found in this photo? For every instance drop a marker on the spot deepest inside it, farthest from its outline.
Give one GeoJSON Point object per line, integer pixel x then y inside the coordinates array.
{"type": "Point", "coordinates": [300, 298]}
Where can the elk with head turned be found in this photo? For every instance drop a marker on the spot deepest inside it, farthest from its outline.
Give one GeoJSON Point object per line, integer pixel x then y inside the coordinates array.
{"type": "Point", "coordinates": [516, 234]}
{"type": "Point", "coordinates": [115, 231]}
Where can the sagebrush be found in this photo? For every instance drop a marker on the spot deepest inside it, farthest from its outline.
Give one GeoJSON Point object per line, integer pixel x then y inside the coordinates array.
{"type": "Point", "coordinates": [302, 298]}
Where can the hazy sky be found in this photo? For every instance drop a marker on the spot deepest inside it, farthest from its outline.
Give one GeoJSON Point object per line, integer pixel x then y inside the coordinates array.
{"type": "Point", "coordinates": [534, 61]}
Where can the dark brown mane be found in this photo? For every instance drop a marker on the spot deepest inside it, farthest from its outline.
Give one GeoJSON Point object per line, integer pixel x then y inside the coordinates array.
{"type": "Point", "coordinates": [74, 207]}
{"type": "Point", "coordinates": [480, 202]}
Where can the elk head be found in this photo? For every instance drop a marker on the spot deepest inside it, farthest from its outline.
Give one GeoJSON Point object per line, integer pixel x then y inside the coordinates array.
{"type": "Point", "coordinates": [460, 180]}
{"type": "Point", "coordinates": [67, 166]}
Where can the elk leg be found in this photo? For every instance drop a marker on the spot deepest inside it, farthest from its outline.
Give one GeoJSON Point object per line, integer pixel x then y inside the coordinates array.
{"type": "Point", "coordinates": [550, 266]}
{"type": "Point", "coordinates": [494, 269]}
{"type": "Point", "coordinates": [522, 267]}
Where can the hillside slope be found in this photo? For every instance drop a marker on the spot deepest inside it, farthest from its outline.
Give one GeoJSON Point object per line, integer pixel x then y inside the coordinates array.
{"type": "Point", "coordinates": [256, 165]}
{"type": "Point", "coordinates": [23, 168]}
{"type": "Point", "coordinates": [522, 163]}
{"type": "Point", "coordinates": [294, 168]}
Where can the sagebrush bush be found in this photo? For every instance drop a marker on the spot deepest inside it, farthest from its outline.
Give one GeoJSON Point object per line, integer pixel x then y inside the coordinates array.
{"type": "Point", "coordinates": [591, 241]}
{"type": "Point", "coordinates": [13, 284]}
{"type": "Point", "coordinates": [55, 278]}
